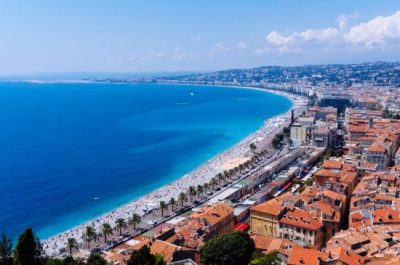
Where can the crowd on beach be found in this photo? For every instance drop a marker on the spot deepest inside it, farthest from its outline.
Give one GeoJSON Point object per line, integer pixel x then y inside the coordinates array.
{"type": "Point", "coordinates": [55, 245]}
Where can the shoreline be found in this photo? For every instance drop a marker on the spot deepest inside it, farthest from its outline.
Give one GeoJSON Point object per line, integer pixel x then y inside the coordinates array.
{"type": "Point", "coordinates": [228, 158]}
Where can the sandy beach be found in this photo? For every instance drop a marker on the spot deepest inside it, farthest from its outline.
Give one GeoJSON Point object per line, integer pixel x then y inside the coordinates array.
{"type": "Point", "coordinates": [226, 160]}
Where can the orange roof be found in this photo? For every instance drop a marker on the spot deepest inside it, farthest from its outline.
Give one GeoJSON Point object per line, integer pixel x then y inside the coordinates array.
{"type": "Point", "coordinates": [270, 207]}
{"type": "Point", "coordinates": [334, 195]}
{"type": "Point", "coordinates": [163, 248]}
{"type": "Point", "coordinates": [355, 128]}
{"type": "Point", "coordinates": [347, 177]}
{"type": "Point", "coordinates": [326, 209]}
{"type": "Point", "coordinates": [306, 256]}
{"type": "Point", "coordinates": [369, 165]}
{"type": "Point", "coordinates": [376, 147]}
{"type": "Point", "coordinates": [267, 243]}
{"type": "Point", "coordinates": [332, 164]}
{"type": "Point", "coordinates": [386, 215]}
{"type": "Point", "coordinates": [213, 213]}
{"type": "Point", "coordinates": [327, 173]}
{"type": "Point", "coordinates": [300, 218]}
{"type": "Point", "coordinates": [346, 256]}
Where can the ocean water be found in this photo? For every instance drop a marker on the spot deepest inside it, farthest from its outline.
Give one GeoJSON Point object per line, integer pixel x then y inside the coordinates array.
{"type": "Point", "coordinates": [63, 145]}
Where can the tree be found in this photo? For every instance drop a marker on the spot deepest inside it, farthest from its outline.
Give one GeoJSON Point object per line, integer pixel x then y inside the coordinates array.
{"type": "Point", "coordinates": [54, 262]}
{"type": "Point", "coordinates": [106, 230]}
{"type": "Point", "coordinates": [5, 248]}
{"type": "Point", "coordinates": [182, 198]}
{"type": "Point", "coordinates": [206, 186]}
{"type": "Point", "coordinates": [163, 206]}
{"type": "Point", "coordinates": [70, 261]}
{"type": "Point", "coordinates": [28, 250]}
{"type": "Point", "coordinates": [253, 147]}
{"type": "Point", "coordinates": [271, 258]}
{"type": "Point", "coordinates": [227, 174]}
{"type": "Point", "coordinates": [143, 256]}
{"type": "Point", "coordinates": [71, 244]}
{"type": "Point", "coordinates": [230, 249]}
{"type": "Point", "coordinates": [221, 177]}
{"type": "Point", "coordinates": [212, 183]}
{"type": "Point", "coordinates": [192, 191]}
{"type": "Point", "coordinates": [120, 224]}
{"type": "Point", "coordinates": [89, 235]}
{"type": "Point", "coordinates": [135, 220]}
{"type": "Point", "coordinates": [200, 190]}
{"type": "Point", "coordinates": [241, 167]}
{"type": "Point", "coordinates": [172, 202]}
{"type": "Point", "coordinates": [96, 259]}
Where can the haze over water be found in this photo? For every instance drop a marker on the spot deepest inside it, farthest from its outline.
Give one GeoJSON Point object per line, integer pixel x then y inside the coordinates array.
{"type": "Point", "coordinates": [71, 152]}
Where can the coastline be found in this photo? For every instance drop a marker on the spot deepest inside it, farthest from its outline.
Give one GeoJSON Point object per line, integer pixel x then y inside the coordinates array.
{"type": "Point", "coordinates": [228, 158]}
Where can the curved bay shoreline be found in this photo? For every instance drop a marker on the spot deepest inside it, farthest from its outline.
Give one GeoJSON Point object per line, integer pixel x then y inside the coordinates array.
{"type": "Point", "coordinates": [227, 159]}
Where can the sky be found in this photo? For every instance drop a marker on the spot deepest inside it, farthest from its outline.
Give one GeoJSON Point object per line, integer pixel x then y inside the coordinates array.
{"type": "Point", "coordinates": [175, 35]}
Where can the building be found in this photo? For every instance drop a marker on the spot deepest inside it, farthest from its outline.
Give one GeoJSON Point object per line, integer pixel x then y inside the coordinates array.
{"type": "Point", "coordinates": [264, 218]}
{"type": "Point", "coordinates": [298, 133]}
{"type": "Point", "coordinates": [218, 216]}
{"type": "Point", "coordinates": [324, 136]}
{"type": "Point", "coordinates": [301, 227]}
{"type": "Point", "coordinates": [379, 155]}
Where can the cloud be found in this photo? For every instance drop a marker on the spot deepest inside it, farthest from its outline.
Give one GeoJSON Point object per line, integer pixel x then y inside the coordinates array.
{"type": "Point", "coordinates": [228, 46]}
{"type": "Point", "coordinates": [197, 39]}
{"type": "Point", "coordinates": [344, 19]}
{"type": "Point", "coordinates": [317, 35]}
{"type": "Point", "coordinates": [378, 32]}
{"type": "Point", "coordinates": [179, 53]}
{"type": "Point", "coordinates": [153, 55]}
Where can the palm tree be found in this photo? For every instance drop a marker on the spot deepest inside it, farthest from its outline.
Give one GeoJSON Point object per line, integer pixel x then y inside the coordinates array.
{"type": "Point", "coordinates": [182, 198]}
{"type": "Point", "coordinates": [163, 206]}
{"type": "Point", "coordinates": [200, 190]}
{"type": "Point", "coordinates": [135, 220]}
{"type": "Point", "coordinates": [120, 223]}
{"type": "Point", "coordinates": [241, 167]}
{"type": "Point", "coordinates": [226, 174]}
{"type": "Point", "coordinates": [5, 248]}
{"type": "Point", "coordinates": [71, 244]}
{"type": "Point", "coordinates": [206, 186]}
{"type": "Point", "coordinates": [106, 230]}
{"type": "Point", "coordinates": [172, 202]}
{"type": "Point", "coordinates": [89, 235]}
{"type": "Point", "coordinates": [213, 182]}
{"type": "Point", "coordinates": [191, 191]}
{"type": "Point", "coordinates": [221, 177]}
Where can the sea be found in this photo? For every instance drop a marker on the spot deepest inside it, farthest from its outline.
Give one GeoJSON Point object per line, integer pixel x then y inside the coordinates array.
{"type": "Point", "coordinates": [70, 152]}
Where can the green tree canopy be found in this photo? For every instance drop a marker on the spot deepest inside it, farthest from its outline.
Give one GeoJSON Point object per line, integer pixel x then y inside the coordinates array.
{"type": "Point", "coordinates": [5, 249]}
{"type": "Point", "coordinates": [231, 249]}
{"type": "Point", "coordinates": [28, 250]}
{"type": "Point", "coordinates": [271, 258]}
{"type": "Point", "coordinates": [143, 256]}
{"type": "Point", "coordinates": [95, 259]}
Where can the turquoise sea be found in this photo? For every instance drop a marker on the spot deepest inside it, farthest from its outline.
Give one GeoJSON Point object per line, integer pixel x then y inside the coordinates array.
{"type": "Point", "coordinates": [63, 145]}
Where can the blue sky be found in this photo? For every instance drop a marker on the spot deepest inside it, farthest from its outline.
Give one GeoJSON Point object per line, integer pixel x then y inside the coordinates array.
{"type": "Point", "coordinates": [153, 36]}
